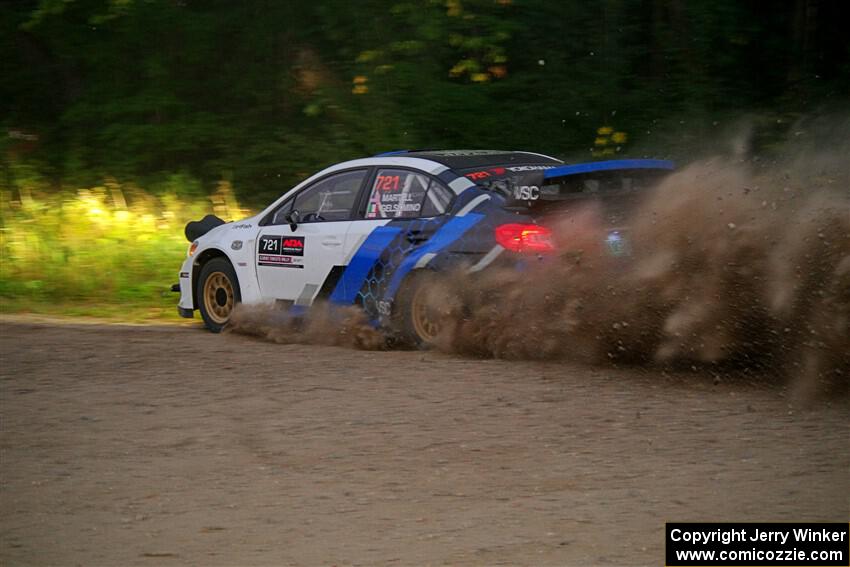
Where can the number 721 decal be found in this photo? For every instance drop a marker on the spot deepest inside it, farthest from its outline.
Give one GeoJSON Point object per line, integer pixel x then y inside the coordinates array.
{"type": "Point", "coordinates": [283, 251]}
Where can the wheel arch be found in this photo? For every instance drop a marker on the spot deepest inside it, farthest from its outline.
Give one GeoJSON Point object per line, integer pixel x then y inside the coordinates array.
{"type": "Point", "coordinates": [410, 280]}
{"type": "Point", "coordinates": [400, 315]}
{"type": "Point", "coordinates": [198, 265]}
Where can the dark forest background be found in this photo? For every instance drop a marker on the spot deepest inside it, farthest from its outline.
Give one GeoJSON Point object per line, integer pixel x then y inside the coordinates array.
{"type": "Point", "coordinates": [259, 93]}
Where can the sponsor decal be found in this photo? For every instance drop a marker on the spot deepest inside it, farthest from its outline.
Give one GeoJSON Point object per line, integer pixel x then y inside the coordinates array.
{"type": "Point", "coordinates": [385, 308]}
{"type": "Point", "coordinates": [242, 226]}
{"type": "Point", "coordinates": [461, 153]}
{"type": "Point", "coordinates": [293, 245]}
{"type": "Point", "coordinates": [486, 173]}
{"type": "Point", "coordinates": [236, 245]}
{"type": "Point", "coordinates": [475, 175]}
{"type": "Point", "coordinates": [283, 251]}
{"type": "Point", "coordinates": [184, 274]}
{"type": "Point", "coordinates": [526, 192]}
{"type": "Point", "coordinates": [501, 171]}
{"type": "Point", "coordinates": [531, 167]}
{"type": "Point", "coordinates": [283, 261]}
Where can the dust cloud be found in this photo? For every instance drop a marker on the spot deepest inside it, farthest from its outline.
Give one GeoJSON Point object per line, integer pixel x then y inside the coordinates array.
{"type": "Point", "coordinates": [732, 265]}
{"type": "Point", "coordinates": [322, 325]}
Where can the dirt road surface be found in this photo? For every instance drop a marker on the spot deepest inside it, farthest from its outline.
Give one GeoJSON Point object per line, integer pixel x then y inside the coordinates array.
{"type": "Point", "coordinates": [171, 446]}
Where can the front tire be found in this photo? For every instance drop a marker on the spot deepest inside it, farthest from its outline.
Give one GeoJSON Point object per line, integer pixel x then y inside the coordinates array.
{"type": "Point", "coordinates": [217, 293]}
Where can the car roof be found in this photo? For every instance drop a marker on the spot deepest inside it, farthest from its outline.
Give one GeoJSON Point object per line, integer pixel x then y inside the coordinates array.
{"type": "Point", "coordinates": [462, 159]}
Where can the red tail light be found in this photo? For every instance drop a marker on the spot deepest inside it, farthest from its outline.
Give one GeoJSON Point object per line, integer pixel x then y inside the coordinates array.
{"type": "Point", "coordinates": [525, 238]}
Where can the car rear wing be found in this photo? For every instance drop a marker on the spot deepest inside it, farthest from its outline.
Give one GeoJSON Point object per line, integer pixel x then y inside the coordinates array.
{"type": "Point", "coordinates": [611, 165]}
{"type": "Point", "coordinates": [583, 180]}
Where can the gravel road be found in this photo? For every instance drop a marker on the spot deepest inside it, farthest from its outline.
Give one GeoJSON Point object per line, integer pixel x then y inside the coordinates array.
{"type": "Point", "coordinates": [132, 445]}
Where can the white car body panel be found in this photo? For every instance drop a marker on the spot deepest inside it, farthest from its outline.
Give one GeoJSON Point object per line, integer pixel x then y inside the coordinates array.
{"type": "Point", "coordinates": [234, 240]}
{"type": "Point", "coordinates": [301, 276]}
{"type": "Point", "coordinates": [238, 242]}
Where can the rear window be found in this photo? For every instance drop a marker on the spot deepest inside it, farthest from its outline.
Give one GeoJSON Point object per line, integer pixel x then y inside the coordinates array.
{"type": "Point", "coordinates": [600, 183]}
{"type": "Point", "coordinates": [524, 184]}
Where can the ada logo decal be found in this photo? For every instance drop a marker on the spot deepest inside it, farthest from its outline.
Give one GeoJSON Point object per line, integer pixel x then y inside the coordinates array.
{"type": "Point", "coordinates": [292, 245]}
{"type": "Point", "coordinates": [283, 251]}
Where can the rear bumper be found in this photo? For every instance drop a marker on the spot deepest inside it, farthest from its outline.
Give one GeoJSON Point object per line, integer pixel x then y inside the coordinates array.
{"type": "Point", "coordinates": [185, 313]}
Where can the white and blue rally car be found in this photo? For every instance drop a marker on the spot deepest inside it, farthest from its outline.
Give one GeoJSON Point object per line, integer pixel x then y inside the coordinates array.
{"type": "Point", "coordinates": [372, 232]}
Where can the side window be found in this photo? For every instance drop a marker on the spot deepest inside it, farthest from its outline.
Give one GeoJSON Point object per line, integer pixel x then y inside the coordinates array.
{"type": "Point", "coordinates": [331, 199]}
{"type": "Point", "coordinates": [398, 194]}
{"type": "Point", "coordinates": [437, 200]}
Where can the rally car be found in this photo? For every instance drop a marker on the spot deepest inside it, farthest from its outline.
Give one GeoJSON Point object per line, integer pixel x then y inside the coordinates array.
{"type": "Point", "coordinates": [373, 232]}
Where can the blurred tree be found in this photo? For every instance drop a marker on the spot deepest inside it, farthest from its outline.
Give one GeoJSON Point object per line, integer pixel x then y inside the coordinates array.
{"type": "Point", "coordinates": [259, 93]}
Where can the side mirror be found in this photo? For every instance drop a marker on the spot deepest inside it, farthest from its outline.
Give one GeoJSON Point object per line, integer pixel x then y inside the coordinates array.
{"type": "Point", "coordinates": [293, 217]}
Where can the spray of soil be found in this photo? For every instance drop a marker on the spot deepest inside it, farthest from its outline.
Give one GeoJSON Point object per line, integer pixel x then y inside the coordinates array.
{"type": "Point", "coordinates": [727, 267]}
{"type": "Point", "coordinates": [323, 325]}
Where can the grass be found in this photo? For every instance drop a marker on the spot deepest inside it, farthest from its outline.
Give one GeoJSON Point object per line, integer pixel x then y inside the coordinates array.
{"type": "Point", "coordinates": [109, 252]}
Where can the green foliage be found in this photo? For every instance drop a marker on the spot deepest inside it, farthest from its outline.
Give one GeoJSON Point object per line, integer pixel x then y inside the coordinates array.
{"type": "Point", "coordinates": [176, 96]}
{"type": "Point", "coordinates": [110, 245]}
{"type": "Point", "coordinates": [263, 92]}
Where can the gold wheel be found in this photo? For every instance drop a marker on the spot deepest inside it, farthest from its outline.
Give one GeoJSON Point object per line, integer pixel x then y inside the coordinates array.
{"type": "Point", "coordinates": [426, 316]}
{"type": "Point", "coordinates": [218, 297]}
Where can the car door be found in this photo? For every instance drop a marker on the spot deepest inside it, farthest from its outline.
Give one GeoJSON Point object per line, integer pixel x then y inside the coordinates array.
{"type": "Point", "coordinates": [293, 259]}
{"type": "Point", "coordinates": [402, 211]}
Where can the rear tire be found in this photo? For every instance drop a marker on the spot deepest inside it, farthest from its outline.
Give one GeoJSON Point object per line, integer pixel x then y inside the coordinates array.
{"type": "Point", "coordinates": [218, 293]}
{"type": "Point", "coordinates": [423, 311]}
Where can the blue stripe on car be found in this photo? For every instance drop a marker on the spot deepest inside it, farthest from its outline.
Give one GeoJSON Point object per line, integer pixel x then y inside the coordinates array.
{"type": "Point", "coordinates": [564, 170]}
{"type": "Point", "coordinates": [447, 176]}
{"type": "Point", "coordinates": [362, 261]}
{"type": "Point", "coordinates": [444, 237]}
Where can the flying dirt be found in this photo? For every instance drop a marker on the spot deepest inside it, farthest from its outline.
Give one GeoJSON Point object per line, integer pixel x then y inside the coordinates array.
{"type": "Point", "coordinates": [730, 266]}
